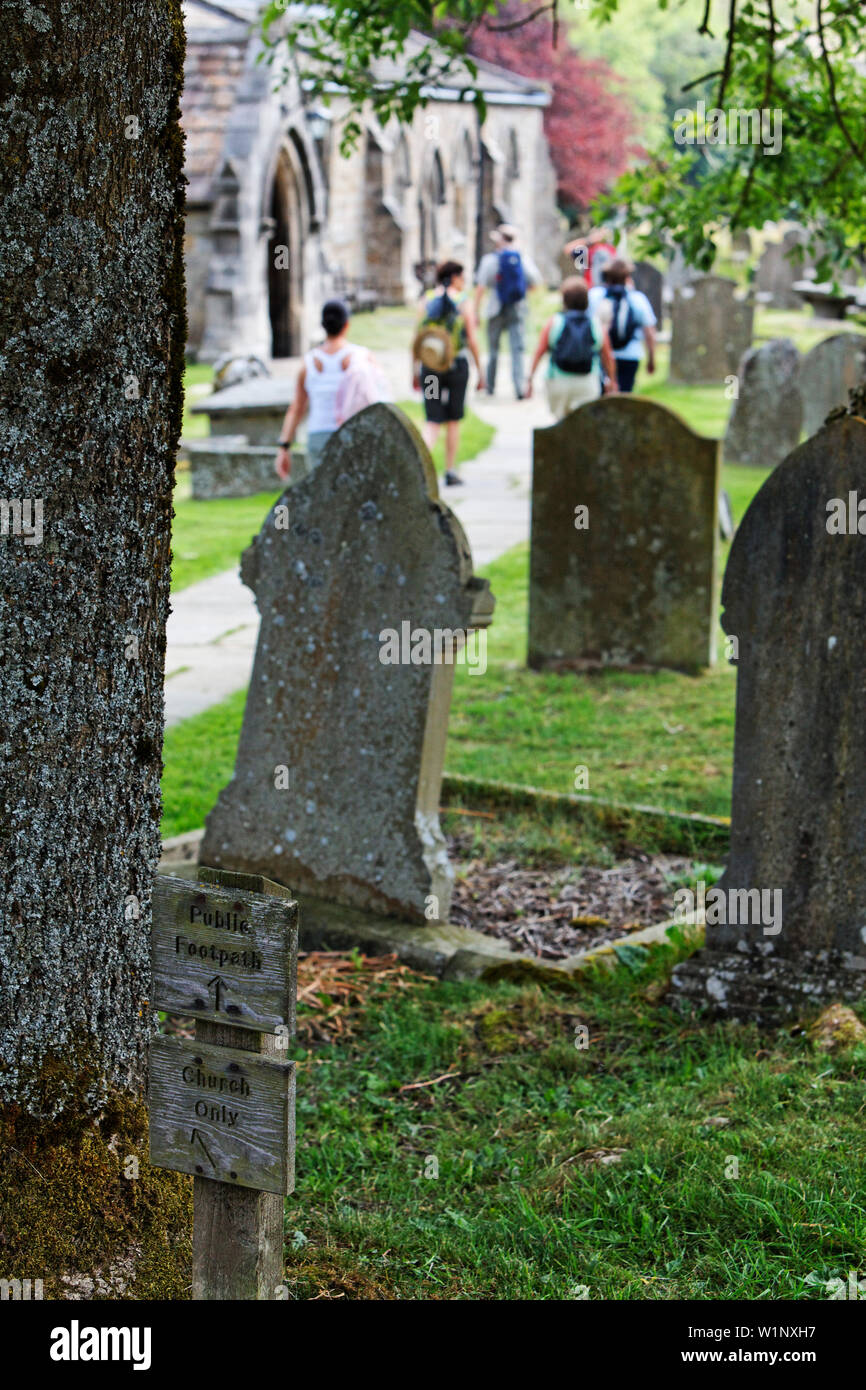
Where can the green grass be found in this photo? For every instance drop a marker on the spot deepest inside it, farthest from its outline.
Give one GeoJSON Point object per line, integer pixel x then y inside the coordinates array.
{"type": "Point", "coordinates": [208, 537]}
{"type": "Point", "coordinates": [490, 1185]}
{"type": "Point", "coordinates": [197, 383]}
{"type": "Point", "coordinates": [663, 740]}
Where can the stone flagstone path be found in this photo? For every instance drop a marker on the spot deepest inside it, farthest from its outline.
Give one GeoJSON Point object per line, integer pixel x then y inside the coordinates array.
{"type": "Point", "coordinates": [212, 630]}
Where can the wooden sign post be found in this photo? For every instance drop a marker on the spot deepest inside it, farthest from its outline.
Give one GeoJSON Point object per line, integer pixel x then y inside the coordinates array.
{"type": "Point", "coordinates": [222, 1107]}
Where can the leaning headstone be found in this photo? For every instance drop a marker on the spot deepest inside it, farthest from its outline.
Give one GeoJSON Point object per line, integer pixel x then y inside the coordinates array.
{"type": "Point", "coordinates": [361, 574]}
{"type": "Point", "coordinates": [827, 373]}
{"type": "Point", "coordinates": [711, 329]}
{"type": "Point", "coordinates": [624, 540]}
{"type": "Point", "coordinates": [650, 281]}
{"type": "Point", "coordinates": [779, 267]}
{"type": "Point", "coordinates": [767, 414]}
{"type": "Point", "coordinates": [786, 928]}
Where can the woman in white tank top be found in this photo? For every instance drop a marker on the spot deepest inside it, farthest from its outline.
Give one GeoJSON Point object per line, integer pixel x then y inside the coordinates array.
{"type": "Point", "coordinates": [318, 381]}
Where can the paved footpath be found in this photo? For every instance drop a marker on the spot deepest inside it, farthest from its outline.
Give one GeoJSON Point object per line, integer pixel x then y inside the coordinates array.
{"type": "Point", "coordinates": [213, 626]}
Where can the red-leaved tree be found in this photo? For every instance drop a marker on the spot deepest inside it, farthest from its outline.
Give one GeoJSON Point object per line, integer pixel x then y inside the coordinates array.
{"type": "Point", "coordinates": [588, 125]}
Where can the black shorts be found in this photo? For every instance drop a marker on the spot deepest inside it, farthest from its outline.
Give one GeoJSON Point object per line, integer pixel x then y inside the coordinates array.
{"type": "Point", "coordinates": [445, 392]}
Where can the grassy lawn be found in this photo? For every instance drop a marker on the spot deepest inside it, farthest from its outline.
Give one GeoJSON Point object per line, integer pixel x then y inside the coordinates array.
{"type": "Point", "coordinates": [664, 739]}
{"type": "Point", "coordinates": [208, 537]}
{"type": "Point", "coordinates": [665, 1160]}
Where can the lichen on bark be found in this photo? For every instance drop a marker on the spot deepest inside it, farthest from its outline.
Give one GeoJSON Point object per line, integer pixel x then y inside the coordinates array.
{"type": "Point", "coordinates": [92, 325]}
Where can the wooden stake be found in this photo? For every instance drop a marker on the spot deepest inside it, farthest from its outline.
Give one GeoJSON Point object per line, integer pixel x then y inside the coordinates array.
{"type": "Point", "coordinates": [237, 1231]}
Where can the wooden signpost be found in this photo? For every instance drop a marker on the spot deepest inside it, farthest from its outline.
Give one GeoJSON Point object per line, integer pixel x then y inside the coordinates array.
{"type": "Point", "coordinates": [222, 1106]}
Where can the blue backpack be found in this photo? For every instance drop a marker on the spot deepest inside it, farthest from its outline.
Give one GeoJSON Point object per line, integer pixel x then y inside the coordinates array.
{"type": "Point", "coordinates": [510, 278]}
{"type": "Point", "coordinates": [621, 333]}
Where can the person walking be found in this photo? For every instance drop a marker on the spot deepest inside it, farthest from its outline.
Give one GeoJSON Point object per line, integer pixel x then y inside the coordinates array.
{"type": "Point", "coordinates": [592, 254]}
{"type": "Point", "coordinates": [317, 386]}
{"type": "Point", "coordinates": [631, 322]}
{"type": "Point", "coordinates": [440, 361]}
{"type": "Point", "coordinates": [575, 343]}
{"type": "Point", "coordinates": [505, 276]}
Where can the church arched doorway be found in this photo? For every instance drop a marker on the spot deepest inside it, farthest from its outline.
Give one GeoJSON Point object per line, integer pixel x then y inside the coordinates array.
{"type": "Point", "coordinates": [285, 261]}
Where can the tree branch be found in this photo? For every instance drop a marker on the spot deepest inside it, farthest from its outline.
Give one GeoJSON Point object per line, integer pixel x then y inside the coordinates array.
{"type": "Point", "coordinates": [831, 84]}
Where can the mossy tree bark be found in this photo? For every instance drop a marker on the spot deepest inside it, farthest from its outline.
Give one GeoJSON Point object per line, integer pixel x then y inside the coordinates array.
{"type": "Point", "coordinates": [92, 324]}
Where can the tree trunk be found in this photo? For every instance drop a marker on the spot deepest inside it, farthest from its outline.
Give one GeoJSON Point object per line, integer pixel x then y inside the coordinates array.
{"type": "Point", "coordinates": [92, 324]}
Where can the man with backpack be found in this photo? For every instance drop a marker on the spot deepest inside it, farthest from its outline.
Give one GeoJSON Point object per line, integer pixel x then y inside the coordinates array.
{"type": "Point", "coordinates": [441, 349]}
{"type": "Point", "coordinates": [578, 345]}
{"type": "Point", "coordinates": [505, 276]}
{"type": "Point", "coordinates": [630, 322]}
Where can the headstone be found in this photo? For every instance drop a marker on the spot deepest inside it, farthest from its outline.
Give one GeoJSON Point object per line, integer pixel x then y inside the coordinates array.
{"type": "Point", "coordinates": [827, 373]}
{"type": "Point", "coordinates": [650, 281]}
{"type": "Point", "coordinates": [336, 784]}
{"type": "Point", "coordinates": [779, 267]}
{"type": "Point", "coordinates": [711, 329]}
{"type": "Point", "coordinates": [788, 927]}
{"type": "Point", "coordinates": [741, 246]}
{"type": "Point", "coordinates": [624, 541]}
{"type": "Point", "coordinates": [767, 414]}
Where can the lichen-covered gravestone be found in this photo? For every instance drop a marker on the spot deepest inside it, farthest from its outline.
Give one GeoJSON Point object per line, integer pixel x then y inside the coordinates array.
{"type": "Point", "coordinates": [650, 281]}
{"type": "Point", "coordinates": [711, 328]}
{"type": "Point", "coordinates": [827, 373]}
{"type": "Point", "coordinates": [791, 925]}
{"type": "Point", "coordinates": [336, 785]}
{"type": "Point", "coordinates": [767, 414]}
{"type": "Point", "coordinates": [623, 559]}
{"type": "Point", "coordinates": [781, 264]}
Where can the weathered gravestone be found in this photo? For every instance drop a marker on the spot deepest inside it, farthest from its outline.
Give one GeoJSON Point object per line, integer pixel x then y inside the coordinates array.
{"type": "Point", "coordinates": [790, 928]}
{"type": "Point", "coordinates": [650, 281]}
{"type": "Point", "coordinates": [336, 784]}
{"type": "Point", "coordinates": [623, 563]}
{"type": "Point", "coordinates": [767, 414]}
{"type": "Point", "coordinates": [781, 264]}
{"type": "Point", "coordinates": [827, 373]}
{"type": "Point", "coordinates": [711, 328]}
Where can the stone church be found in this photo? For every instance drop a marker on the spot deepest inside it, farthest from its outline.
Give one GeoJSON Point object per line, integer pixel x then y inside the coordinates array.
{"type": "Point", "coordinates": [278, 220]}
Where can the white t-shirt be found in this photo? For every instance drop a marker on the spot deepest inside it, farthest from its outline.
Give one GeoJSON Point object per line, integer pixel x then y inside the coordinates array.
{"type": "Point", "coordinates": [488, 270]}
{"type": "Point", "coordinates": [322, 385]}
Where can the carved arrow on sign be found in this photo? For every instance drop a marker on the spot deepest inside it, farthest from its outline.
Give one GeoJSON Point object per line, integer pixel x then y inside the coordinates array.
{"type": "Point", "coordinates": [219, 983]}
{"type": "Point", "coordinates": [192, 1138]}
